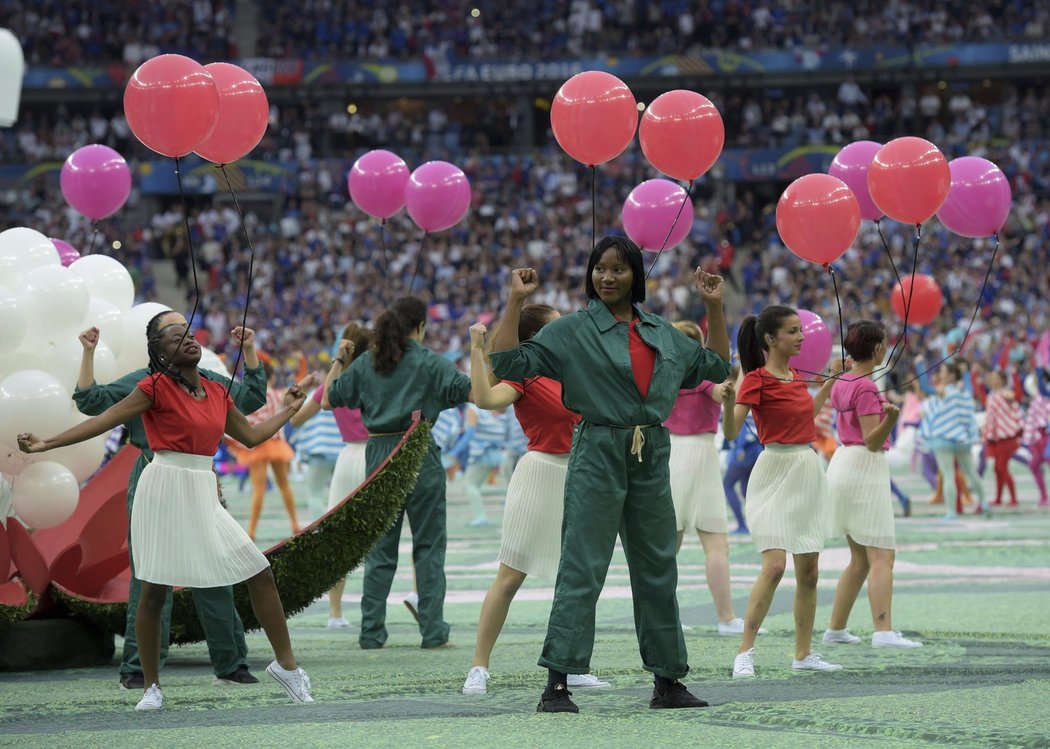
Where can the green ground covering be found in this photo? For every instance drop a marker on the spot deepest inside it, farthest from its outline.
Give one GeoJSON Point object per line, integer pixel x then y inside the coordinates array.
{"type": "Point", "coordinates": [976, 591]}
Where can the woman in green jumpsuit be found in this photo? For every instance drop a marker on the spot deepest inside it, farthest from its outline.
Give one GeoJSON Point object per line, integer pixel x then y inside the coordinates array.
{"type": "Point", "coordinates": [618, 481]}
{"type": "Point", "coordinates": [396, 377]}
{"type": "Point", "coordinates": [219, 619]}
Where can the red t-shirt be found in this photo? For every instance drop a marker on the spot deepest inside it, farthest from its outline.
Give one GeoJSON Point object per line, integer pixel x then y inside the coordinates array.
{"type": "Point", "coordinates": [643, 360]}
{"type": "Point", "coordinates": [545, 420]}
{"type": "Point", "coordinates": [783, 410]}
{"type": "Point", "coordinates": [179, 422]}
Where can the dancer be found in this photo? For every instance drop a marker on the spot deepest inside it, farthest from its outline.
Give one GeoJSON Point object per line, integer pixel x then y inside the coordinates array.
{"type": "Point", "coordinates": [223, 630]}
{"type": "Point", "coordinates": [488, 435]}
{"type": "Point", "coordinates": [181, 533]}
{"type": "Point", "coordinates": [1037, 432]}
{"type": "Point", "coordinates": [787, 502]}
{"type": "Point", "coordinates": [1003, 424]}
{"type": "Point", "coordinates": [396, 377]}
{"type": "Point", "coordinates": [949, 429]}
{"type": "Point", "coordinates": [621, 369]}
{"type": "Point", "coordinates": [349, 471]}
{"type": "Point", "coordinates": [696, 484]}
{"type": "Point", "coordinates": [275, 453]}
{"type": "Point", "coordinates": [859, 485]}
{"type": "Point", "coordinates": [532, 519]}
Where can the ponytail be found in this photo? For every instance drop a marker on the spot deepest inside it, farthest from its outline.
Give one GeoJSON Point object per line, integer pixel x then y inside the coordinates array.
{"type": "Point", "coordinates": [751, 339]}
{"type": "Point", "coordinates": [392, 329]}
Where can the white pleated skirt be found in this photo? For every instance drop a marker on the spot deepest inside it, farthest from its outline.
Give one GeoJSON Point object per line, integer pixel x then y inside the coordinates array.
{"type": "Point", "coordinates": [787, 500]}
{"type": "Point", "coordinates": [180, 534]}
{"type": "Point", "coordinates": [532, 518]}
{"type": "Point", "coordinates": [349, 472]}
{"type": "Point", "coordinates": [696, 484]}
{"type": "Point", "coordinates": [859, 485]}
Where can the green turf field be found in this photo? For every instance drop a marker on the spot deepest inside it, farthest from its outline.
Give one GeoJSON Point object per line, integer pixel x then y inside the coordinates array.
{"type": "Point", "coordinates": [976, 591]}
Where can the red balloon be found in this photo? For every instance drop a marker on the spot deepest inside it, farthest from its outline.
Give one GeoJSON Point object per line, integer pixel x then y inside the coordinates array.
{"type": "Point", "coordinates": [818, 217]}
{"type": "Point", "coordinates": [171, 104]}
{"type": "Point", "coordinates": [926, 299]}
{"type": "Point", "coordinates": [594, 116]}
{"type": "Point", "coordinates": [244, 114]}
{"type": "Point", "coordinates": [909, 179]}
{"type": "Point", "coordinates": [682, 134]}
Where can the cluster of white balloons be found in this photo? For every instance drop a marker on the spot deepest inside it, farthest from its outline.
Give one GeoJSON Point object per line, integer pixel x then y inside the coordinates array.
{"type": "Point", "coordinates": [43, 308]}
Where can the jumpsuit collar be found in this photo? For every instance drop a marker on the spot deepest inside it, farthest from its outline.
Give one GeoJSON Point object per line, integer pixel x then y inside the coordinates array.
{"type": "Point", "coordinates": [605, 321]}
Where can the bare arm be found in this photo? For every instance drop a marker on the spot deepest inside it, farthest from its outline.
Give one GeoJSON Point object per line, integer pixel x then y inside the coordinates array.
{"type": "Point", "coordinates": [877, 428]}
{"type": "Point", "coordinates": [825, 390]}
{"type": "Point", "coordinates": [486, 394]}
{"type": "Point", "coordinates": [245, 337]}
{"type": "Point", "coordinates": [89, 340]}
{"type": "Point", "coordinates": [134, 405]}
{"type": "Point", "coordinates": [248, 435]}
{"type": "Point", "coordinates": [710, 288]}
{"type": "Point", "coordinates": [307, 412]}
{"type": "Point", "coordinates": [339, 363]}
{"type": "Point", "coordinates": [523, 282]}
{"type": "Point", "coordinates": [733, 420]}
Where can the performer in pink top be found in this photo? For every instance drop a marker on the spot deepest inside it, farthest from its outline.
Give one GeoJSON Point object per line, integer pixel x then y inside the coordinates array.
{"type": "Point", "coordinates": [350, 469]}
{"type": "Point", "coordinates": [696, 484]}
{"type": "Point", "coordinates": [859, 483]}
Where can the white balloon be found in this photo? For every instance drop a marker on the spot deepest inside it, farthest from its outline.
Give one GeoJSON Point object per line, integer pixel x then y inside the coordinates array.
{"type": "Point", "coordinates": [110, 323]}
{"type": "Point", "coordinates": [12, 460]}
{"type": "Point", "coordinates": [13, 320]}
{"type": "Point", "coordinates": [45, 494]}
{"type": "Point", "coordinates": [62, 361]}
{"type": "Point", "coordinates": [106, 279]}
{"type": "Point", "coordinates": [5, 498]}
{"type": "Point", "coordinates": [22, 250]}
{"type": "Point", "coordinates": [83, 458]}
{"type": "Point", "coordinates": [213, 362]}
{"type": "Point", "coordinates": [133, 348]}
{"type": "Point", "coordinates": [32, 401]}
{"type": "Point", "coordinates": [55, 300]}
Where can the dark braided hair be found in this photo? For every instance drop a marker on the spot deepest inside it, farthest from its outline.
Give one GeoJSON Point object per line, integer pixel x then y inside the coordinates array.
{"type": "Point", "coordinates": [157, 365]}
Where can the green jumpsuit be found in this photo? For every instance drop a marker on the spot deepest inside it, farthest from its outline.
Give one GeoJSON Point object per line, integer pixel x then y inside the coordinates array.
{"type": "Point", "coordinates": [426, 382]}
{"type": "Point", "coordinates": [222, 626]}
{"type": "Point", "coordinates": [618, 481]}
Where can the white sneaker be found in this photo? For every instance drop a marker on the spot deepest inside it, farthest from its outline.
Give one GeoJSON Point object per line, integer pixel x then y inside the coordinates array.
{"type": "Point", "coordinates": [477, 680]}
{"type": "Point", "coordinates": [840, 637]}
{"type": "Point", "coordinates": [152, 699]}
{"type": "Point", "coordinates": [337, 622]}
{"type": "Point", "coordinates": [582, 681]}
{"type": "Point", "coordinates": [892, 639]}
{"type": "Point", "coordinates": [686, 628]}
{"type": "Point", "coordinates": [744, 664]}
{"type": "Point", "coordinates": [295, 682]}
{"type": "Point", "coordinates": [412, 604]}
{"type": "Point", "coordinates": [813, 662]}
{"type": "Point", "coordinates": [735, 627]}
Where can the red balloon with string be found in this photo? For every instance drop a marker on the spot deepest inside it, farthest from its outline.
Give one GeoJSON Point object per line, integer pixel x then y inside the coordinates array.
{"type": "Point", "coordinates": [682, 134]}
{"type": "Point", "coordinates": [818, 218]}
{"type": "Point", "coordinates": [171, 104]}
{"type": "Point", "coordinates": [594, 117]}
{"type": "Point", "coordinates": [244, 113]}
{"type": "Point", "coordinates": [926, 299]}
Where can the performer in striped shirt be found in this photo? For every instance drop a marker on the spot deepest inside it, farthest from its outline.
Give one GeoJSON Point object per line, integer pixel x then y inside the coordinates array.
{"type": "Point", "coordinates": [949, 429]}
{"type": "Point", "coordinates": [1003, 423]}
{"type": "Point", "coordinates": [1036, 435]}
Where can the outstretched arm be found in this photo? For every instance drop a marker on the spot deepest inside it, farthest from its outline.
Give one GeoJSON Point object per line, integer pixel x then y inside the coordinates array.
{"type": "Point", "coordinates": [135, 404]}
{"type": "Point", "coordinates": [238, 427]}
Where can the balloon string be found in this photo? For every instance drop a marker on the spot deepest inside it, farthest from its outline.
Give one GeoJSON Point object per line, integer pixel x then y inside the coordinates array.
{"type": "Point", "coordinates": [900, 346]}
{"type": "Point", "coordinates": [94, 236]}
{"type": "Point", "coordinates": [973, 317]}
{"type": "Point", "coordinates": [419, 258]}
{"type": "Point", "coordinates": [667, 238]}
{"type": "Point", "coordinates": [594, 220]}
{"type": "Point", "coordinates": [382, 241]}
{"type": "Point", "coordinates": [189, 244]}
{"type": "Point", "coordinates": [838, 303]}
{"type": "Point", "coordinates": [251, 274]}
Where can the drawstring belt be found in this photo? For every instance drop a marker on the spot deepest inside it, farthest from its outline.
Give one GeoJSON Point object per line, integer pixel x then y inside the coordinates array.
{"type": "Point", "coordinates": [637, 438]}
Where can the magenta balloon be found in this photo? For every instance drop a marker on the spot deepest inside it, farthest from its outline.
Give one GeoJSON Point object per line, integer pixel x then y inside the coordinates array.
{"type": "Point", "coordinates": [377, 183]}
{"type": "Point", "coordinates": [67, 253]}
{"type": "Point", "coordinates": [978, 200]}
{"type": "Point", "coordinates": [655, 208]}
{"type": "Point", "coordinates": [851, 166]}
{"type": "Point", "coordinates": [437, 196]}
{"type": "Point", "coordinates": [95, 181]}
{"type": "Point", "coordinates": [816, 346]}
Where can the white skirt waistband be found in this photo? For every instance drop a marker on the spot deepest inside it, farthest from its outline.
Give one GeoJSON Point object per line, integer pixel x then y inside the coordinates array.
{"type": "Point", "coordinates": [182, 460]}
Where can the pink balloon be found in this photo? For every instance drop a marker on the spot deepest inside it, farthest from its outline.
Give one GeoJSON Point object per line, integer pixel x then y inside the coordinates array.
{"type": "Point", "coordinates": [851, 165]}
{"type": "Point", "coordinates": [437, 196]}
{"type": "Point", "coordinates": [66, 252]}
{"type": "Point", "coordinates": [654, 209]}
{"type": "Point", "coordinates": [978, 200]}
{"type": "Point", "coordinates": [244, 114]}
{"type": "Point", "coordinates": [171, 104]}
{"type": "Point", "coordinates": [95, 181]}
{"type": "Point", "coordinates": [816, 346]}
{"type": "Point", "coordinates": [377, 183]}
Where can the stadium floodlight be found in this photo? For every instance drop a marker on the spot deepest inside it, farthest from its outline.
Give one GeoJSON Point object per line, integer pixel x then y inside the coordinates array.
{"type": "Point", "coordinates": [12, 68]}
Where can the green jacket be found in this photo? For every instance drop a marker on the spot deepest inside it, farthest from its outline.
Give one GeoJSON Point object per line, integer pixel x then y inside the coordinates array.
{"type": "Point", "coordinates": [588, 353]}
